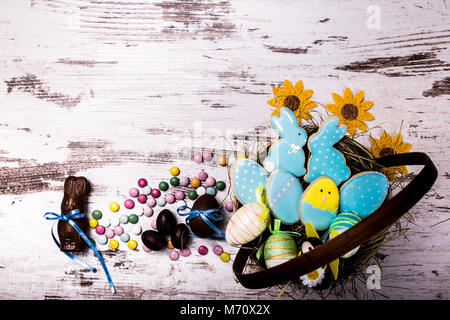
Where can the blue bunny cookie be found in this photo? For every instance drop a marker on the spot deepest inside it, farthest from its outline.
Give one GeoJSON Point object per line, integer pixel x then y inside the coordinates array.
{"type": "Point", "coordinates": [325, 160]}
{"type": "Point", "coordinates": [283, 195]}
{"type": "Point", "coordinates": [246, 175]}
{"type": "Point", "coordinates": [287, 153]}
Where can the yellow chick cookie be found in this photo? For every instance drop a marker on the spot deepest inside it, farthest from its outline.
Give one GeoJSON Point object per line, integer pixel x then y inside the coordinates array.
{"type": "Point", "coordinates": [319, 203]}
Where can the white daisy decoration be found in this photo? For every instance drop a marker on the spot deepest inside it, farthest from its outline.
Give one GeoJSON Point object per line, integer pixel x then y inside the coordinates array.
{"type": "Point", "coordinates": [313, 278]}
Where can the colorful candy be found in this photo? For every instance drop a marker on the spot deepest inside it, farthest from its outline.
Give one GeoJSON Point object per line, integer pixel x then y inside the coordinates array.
{"type": "Point", "coordinates": [148, 212]}
{"type": "Point", "coordinates": [134, 192]}
{"type": "Point", "coordinates": [210, 181]}
{"type": "Point", "coordinates": [151, 202]}
{"type": "Point", "coordinates": [136, 229]}
{"type": "Point", "coordinates": [102, 239]}
{"type": "Point", "coordinates": [133, 218]}
{"type": "Point", "coordinates": [198, 158]}
{"type": "Point", "coordinates": [174, 171]}
{"type": "Point", "coordinates": [220, 185]}
{"type": "Point", "coordinates": [170, 198]}
{"type": "Point", "coordinates": [217, 249]}
{"type": "Point", "coordinates": [114, 206]}
{"type": "Point", "coordinates": [174, 255]}
{"type": "Point", "coordinates": [123, 219]}
{"type": "Point", "coordinates": [195, 182]}
{"type": "Point", "coordinates": [93, 223]}
{"type": "Point", "coordinates": [203, 250]}
{"type": "Point", "coordinates": [174, 181]}
{"type": "Point", "coordinates": [142, 198]}
{"type": "Point", "coordinates": [184, 181]}
{"type": "Point", "coordinates": [146, 249]}
{"type": "Point", "coordinates": [146, 190]}
{"type": "Point", "coordinates": [224, 256]}
{"type": "Point", "coordinates": [132, 244]}
{"type": "Point", "coordinates": [109, 233]}
{"type": "Point", "coordinates": [100, 229]}
{"type": "Point", "coordinates": [192, 194]}
{"type": "Point", "coordinates": [124, 237]}
{"type": "Point", "coordinates": [163, 186]}
{"type": "Point", "coordinates": [211, 191]}
{"type": "Point", "coordinates": [207, 155]}
{"type": "Point", "coordinates": [113, 244]}
{"type": "Point", "coordinates": [179, 195]}
{"type": "Point", "coordinates": [222, 161]}
{"type": "Point", "coordinates": [229, 206]}
{"type": "Point", "coordinates": [185, 252]}
{"type": "Point", "coordinates": [201, 190]}
{"type": "Point", "coordinates": [115, 221]}
{"type": "Point", "coordinates": [142, 182]}
{"type": "Point", "coordinates": [96, 214]}
{"type": "Point", "coordinates": [155, 193]}
{"type": "Point", "coordinates": [161, 202]}
{"type": "Point", "coordinates": [202, 175]}
{"type": "Point", "coordinates": [129, 204]}
{"type": "Point", "coordinates": [118, 230]}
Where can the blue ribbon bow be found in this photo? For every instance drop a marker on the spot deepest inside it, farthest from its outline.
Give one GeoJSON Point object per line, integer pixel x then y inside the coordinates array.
{"type": "Point", "coordinates": [206, 215]}
{"type": "Point", "coordinates": [75, 214]}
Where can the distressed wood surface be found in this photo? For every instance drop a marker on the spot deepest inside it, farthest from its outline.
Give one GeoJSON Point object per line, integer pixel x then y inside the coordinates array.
{"type": "Point", "coordinates": [118, 90]}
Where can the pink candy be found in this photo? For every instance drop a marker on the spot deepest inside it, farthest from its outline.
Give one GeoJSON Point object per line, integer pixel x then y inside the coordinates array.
{"type": "Point", "coordinates": [198, 158]}
{"type": "Point", "coordinates": [142, 182]}
{"type": "Point", "coordinates": [185, 252]}
{"type": "Point", "coordinates": [146, 249]}
{"type": "Point", "coordinates": [207, 155]}
{"type": "Point", "coordinates": [174, 255]}
{"type": "Point", "coordinates": [142, 198]}
{"type": "Point", "coordinates": [148, 212]}
{"type": "Point", "coordinates": [179, 195]}
{"type": "Point", "coordinates": [153, 224]}
{"type": "Point", "coordinates": [211, 181]}
{"type": "Point", "coordinates": [133, 192]}
{"type": "Point", "coordinates": [170, 198]}
{"type": "Point", "coordinates": [155, 193]}
{"type": "Point", "coordinates": [217, 249]}
{"type": "Point", "coordinates": [202, 250]}
{"type": "Point", "coordinates": [118, 230]}
{"type": "Point", "coordinates": [100, 229]}
{"type": "Point", "coordinates": [129, 204]}
{"type": "Point", "coordinates": [184, 181]}
{"type": "Point", "coordinates": [202, 175]}
{"type": "Point", "coordinates": [109, 233]}
{"type": "Point", "coordinates": [229, 206]}
{"type": "Point", "coordinates": [151, 202]}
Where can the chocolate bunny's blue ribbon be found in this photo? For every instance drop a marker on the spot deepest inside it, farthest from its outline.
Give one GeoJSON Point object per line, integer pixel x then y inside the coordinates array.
{"type": "Point", "coordinates": [206, 215]}
{"type": "Point", "coordinates": [75, 214]}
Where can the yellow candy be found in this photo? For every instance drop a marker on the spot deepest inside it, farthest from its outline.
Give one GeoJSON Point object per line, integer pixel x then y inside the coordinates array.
{"type": "Point", "coordinates": [241, 156]}
{"type": "Point", "coordinates": [113, 244]}
{"type": "Point", "coordinates": [174, 171]}
{"type": "Point", "coordinates": [224, 256]}
{"type": "Point", "coordinates": [170, 245]}
{"type": "Point", "coordinates": [93, 223]}
{"type": "Point", "coordinates": [132, 244]}
{"type": "Point", "coordinates": [114, 206]}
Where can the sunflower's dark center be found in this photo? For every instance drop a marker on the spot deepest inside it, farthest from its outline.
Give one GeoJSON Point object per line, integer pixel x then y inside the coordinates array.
{"type": "Point", "coordinates": [349, 112]}
{"type": "Point", "coordinates": [386, 152]}
{"type": "Point", "coordinates": [292, 102]}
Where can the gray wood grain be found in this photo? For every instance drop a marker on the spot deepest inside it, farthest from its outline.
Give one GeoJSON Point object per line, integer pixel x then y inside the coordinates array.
{"type": "Point", "coordinates": [117, 90]}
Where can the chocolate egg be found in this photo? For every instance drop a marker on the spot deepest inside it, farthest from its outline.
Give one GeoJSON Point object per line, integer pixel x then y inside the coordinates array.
{"type": "Point", "coordinates": [153, 240]}
{"type": "Point", "coordinates": [198, 226]}
{"type": "Point", "coordinates": [180, 236]}
{"type": "Point", "coordinates": [165, 222]}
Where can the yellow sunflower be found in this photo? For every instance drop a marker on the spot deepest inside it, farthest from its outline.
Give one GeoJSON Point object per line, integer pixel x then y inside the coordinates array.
{"type": "Point", "coordinates": [351, 110]}
{"type": "Point", "coordinates": [386, 146]}
{"type": "Point", "coordinates": [294, 98]}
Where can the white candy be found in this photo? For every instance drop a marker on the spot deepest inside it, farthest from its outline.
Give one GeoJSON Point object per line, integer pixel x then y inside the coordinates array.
{"type": "Point", "coordinates": [136, 229]}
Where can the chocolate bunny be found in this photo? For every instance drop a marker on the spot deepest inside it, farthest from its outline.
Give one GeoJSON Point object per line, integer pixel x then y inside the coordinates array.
{"type": "Point", "coordinates": [76, 190]}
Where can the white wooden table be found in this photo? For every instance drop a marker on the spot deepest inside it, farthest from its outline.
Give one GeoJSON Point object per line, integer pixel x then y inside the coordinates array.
{"type": "Point", "coordinates": [118, 90]}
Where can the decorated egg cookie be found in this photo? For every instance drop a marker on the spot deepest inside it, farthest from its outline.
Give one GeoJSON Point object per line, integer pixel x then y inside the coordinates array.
{"type": "Point", "coordinates": [319, 203]}
{"type": "Point", "coordinates": [279, 247]}
{"type": "Point", "coordinates": [283, 195]}
{"type": "Point", "coordinates": [363, 193]}
{"type": "Point", "coordinates": [287, 153]}
{"type": "Point", "coordinates": [341, 223]}
{"type": "Point", "coordinates": [246, 175]}
{"type": "Point", "coordinates": [248, 222]}
{"type": "Point", "coordinates": [325, 160]}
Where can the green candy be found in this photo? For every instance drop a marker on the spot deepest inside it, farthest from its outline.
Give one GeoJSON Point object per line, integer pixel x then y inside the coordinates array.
{"type": "Point", "coordinates": [163, 186]}
{"type": "Point", "coordinates": [132, 218]}
{"type": "Point", "coordinates": [174, 181]}
{"type": "Point", "coordinates": [96, 214]}
{"type": "Point", "coordinates": [220, 185]}
{"type": "Point", "coordinates": [192, 194]}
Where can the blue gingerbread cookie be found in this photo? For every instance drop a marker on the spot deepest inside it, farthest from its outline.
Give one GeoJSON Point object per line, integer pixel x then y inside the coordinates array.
{"type": "Point", "coordinates": [246, 175]}
{"type": "Point", "coordinates": [325, 160]}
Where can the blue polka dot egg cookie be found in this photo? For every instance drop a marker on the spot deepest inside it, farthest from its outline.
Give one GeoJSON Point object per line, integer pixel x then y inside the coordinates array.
{"type": "Point", "coordinates": [363, 193]}
{"type": "Point", "coordinates": [319, 203]}
{"type": "Point", "coordinates": [325, 160]}
{"type": "Point", "coordinates": [246, 175]}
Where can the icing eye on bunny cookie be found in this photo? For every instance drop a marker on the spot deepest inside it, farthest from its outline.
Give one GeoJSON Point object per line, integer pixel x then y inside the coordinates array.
{"type": "Point", "coordinates": [287, 153]}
